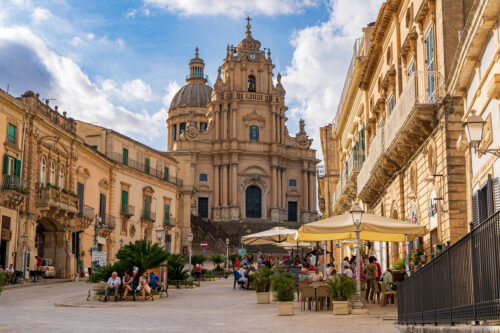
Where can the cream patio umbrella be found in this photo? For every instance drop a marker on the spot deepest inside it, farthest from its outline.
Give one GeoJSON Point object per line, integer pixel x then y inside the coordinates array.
{"type": "Point", "coordinates": [274, 236]}
{"type": "Point", "coordinates": [360, 226]}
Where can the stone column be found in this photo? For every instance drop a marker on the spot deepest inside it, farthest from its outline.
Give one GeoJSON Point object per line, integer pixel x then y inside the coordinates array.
{"type": "Point", "coordinates": [311, 185]}
{"type": "Point", "coordinates": [314, 195]}
{"type": "Point", "coordinates": [216, 185]}
{"type": "Point", "coordinates": [273, 126]}
{"type": "Point", "coordinates": [224, 124]}
{"type": "Point", "coordinates": [224, 184]}
{"type": "Point", "coordinates": [217, 125]}
{"type": "Point", "coordinates": [234, 182]}
{"type": "Point", "coordinates": [273, 186]}
{"type": "Point", "coordinates": [278, 128]}
{"type": "Point", "coordinates": [278, 187]}
{"type": "Point", "coordinates": [233, 134]}
{"type": "Point", "coordinates": [283, 188]}
{"type": "Point", "coordinates": [305, 190]}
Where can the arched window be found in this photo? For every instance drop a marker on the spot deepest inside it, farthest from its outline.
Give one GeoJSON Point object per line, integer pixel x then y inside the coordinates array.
{"type": "Point", "coordinates": [43, 168]}
{"type": "Point", "coordinates": [251, 83]}
{"type": "Point", "coordinates": [61, 177]}
{"type": "Point", "coordinates": [52, 177]}
{"type": "Point", "coordinates": [254, 133]}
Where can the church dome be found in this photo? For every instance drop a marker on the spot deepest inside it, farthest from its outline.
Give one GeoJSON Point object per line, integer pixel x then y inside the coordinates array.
{"type": "Point", "coordinates": [197, 92]}
{"type": "Point", "coordinates": [193, 94]}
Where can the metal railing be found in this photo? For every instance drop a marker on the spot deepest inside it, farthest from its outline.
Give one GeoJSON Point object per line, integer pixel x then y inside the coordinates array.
{"type": "Point", "coordinates": [374, 152]}
{"type": "Point", "coordinates": [12, 182]}
{"type": "Point", "coordinates": [214, 230]}
{"type": "Point", "coordinates": [169, 221]}
{"type": "Point", "coordinates": [347, 83]}
{"type": "Point", "coordinates": [47, 195]}
{"type": "Point", "coordinates": [87, 212]}
{"type": "Point", "coordinates": [108, 220]}
{"type": "Point", "coordinates": [197, 76]}
{"type": "Point", "coordinates": [148, 216]}
{"type": "Point", "coordinates": [460, 285]}
{"type": "Point", "coordinates": [127, 210]}
{"type": "Point", "coordinates": [117, 157]}
{"type": "Point", "coordinates": [355, 161]}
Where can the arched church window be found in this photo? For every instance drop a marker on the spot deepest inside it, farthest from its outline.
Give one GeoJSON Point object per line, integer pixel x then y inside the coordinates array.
{"type": "Point", "coordinates": [52, 176]}
{"type": "Point", "coordinates": [182, 128]}
{"type": "Point", "coordinates": [61, 177]}
{"type": "Point", "coordinates": [174, 132]}
{"type": "Point", "coordinates": [251, 84]}
{"type": "Point", "coordinates": [43, 167]}
{"type": "Point", "coordinates": [254, 133]}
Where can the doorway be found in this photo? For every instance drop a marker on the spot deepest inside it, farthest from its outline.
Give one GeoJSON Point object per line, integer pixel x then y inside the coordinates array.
{"type": "Point", "coordinates": [253, 202]}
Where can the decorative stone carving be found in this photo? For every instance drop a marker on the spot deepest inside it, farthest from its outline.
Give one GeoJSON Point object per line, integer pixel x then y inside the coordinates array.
{"type": "Point", "coordinates": [279, 90]}
{"type": "Point", "coordinates": [192, 132]}
{"type": "Point", "coordinates": [254, 118]}
{"type": "Point", "coordinates": [301, 137]}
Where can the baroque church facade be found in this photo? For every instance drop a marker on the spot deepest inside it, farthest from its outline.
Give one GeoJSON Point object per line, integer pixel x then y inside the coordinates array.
{"type": "Point", "coordinates": [237, 160]}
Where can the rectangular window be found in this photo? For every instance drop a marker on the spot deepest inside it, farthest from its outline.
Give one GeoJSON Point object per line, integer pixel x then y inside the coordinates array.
{"type": "Point", "coordinates": [146, 165]}
{"type": "Point", "coordinates": [124, 201]}
{"type": "Point", "coordinates": [390, 104]}
{"type": "Point", "coordinates": [11, 166]}
{"type": "Point", "coordinates": [292, 211]}
{"type": "Point", "coordinates": [125, 156]}
{"type": "Point", "coordinates": [102, 207]}
{"type": "Point", "coordinates": [166, 219]}
{"type": "Point", "coordinates": [147, 208]}
{"type": "Point", "coordinates": [203, 207]}
{"type": "Point", "coordinates": [80, 192]}
{"type": "Point", "coordinates": [94, 147]}
{"type": "Point", "coordinates": [11, 133]}
{"type": "Point", "coordinates": [165, 174]}
{"type": "Point", "coordinates": [429, 63]}
{"type": "Point", "coordinates": [292, 182]}
{"type": "Point", "coordinates": [203, 126]}
{"type": "Point", "coordinates": [174, 132]}
{"type": "Point", "coordinates": [203, 177]}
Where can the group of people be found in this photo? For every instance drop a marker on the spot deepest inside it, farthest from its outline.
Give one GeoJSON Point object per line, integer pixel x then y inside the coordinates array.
{"type": "Point", "coordinates": [145, 285]}
{"type": "Point", "coordinates": [9, 271]}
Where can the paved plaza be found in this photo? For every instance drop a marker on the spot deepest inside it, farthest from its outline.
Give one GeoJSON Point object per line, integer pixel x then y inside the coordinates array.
{"type": "Point", "coordinates": [214, 307]}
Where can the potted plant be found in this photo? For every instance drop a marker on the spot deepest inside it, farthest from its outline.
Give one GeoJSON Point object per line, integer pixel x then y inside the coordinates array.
{"type": "Point", "coordinates": [261, 283]}
{"type": "Point", "coordinates": [285, 288]}
{"type": "Point", "coordinates": [217, 260]}
{"type": "Point", "coordinates": [340, 291]}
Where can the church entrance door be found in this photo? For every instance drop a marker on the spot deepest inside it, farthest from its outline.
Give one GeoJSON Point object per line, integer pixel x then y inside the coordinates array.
{"type": "Point", "coordinates": [253, 202]}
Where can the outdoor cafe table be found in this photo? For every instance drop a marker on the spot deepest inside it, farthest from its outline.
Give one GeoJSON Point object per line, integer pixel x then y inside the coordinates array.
{"type": "Point", "coordinates": [316, 285]}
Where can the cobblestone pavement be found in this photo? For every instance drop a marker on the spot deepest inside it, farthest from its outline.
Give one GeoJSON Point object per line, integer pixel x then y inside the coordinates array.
{"type": "Point", "coordinates": [215, 307]}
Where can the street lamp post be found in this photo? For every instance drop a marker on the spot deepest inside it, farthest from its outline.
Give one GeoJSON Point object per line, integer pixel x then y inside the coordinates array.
{"type": "Point", "coordinates": [24, 238]}
{"type": "Point", "coordinates": [358, 307]}
{"type": "Point", "coordinates": [190, 243]}
{"type": "Point", "coordinates": [227, 252]}
{"type": "Point", "coordinates": [474, 127]}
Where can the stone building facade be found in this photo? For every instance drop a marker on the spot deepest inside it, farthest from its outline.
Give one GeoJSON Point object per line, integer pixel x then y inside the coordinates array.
{"type": "Point", "coordinates": [237, 159]}
{"type": "Point", "coordinates": [58, 185]}
{"type": "Point", "coordinates": [396, 126]}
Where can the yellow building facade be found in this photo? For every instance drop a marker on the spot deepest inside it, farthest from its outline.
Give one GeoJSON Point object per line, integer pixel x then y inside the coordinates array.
{"type": "Point", "coordinates": [396, 126]}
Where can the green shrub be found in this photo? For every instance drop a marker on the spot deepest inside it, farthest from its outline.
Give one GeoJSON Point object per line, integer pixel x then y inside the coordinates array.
{"type": "Point", "coordinates": [175, 266]}
{"type": "Point", "coordinates": [399, 265]}
{"type": "Point", "coordinates": [143, 254]}
{"type": "Point", "coordinates": [280, 273]}
{"type": "Point", "coordinates": [3, 280]}
{"type": "Point", "coordinates": [198, 259]}
{"type": "Point", "coordinates": [261, 280]}
{"type": "Point", "coordinates": [217, 259]}
{"type": "Point", "coordinates": [104, 272]}
{"type": "Point", "coordinates": [341, 288]}
{"type": "Point", "coordinates": [284, 287]}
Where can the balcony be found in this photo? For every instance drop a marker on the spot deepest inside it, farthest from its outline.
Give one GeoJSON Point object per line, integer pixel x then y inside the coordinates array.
{"type": "Point", "coordinates": [149, 217]}
{"type": "Point", "coordinates": [409, 125]}
{"type": "Point", "coordinates": [55, 203]}
{"type": "Point", "coordinates": [127, 211]}
{"type": "Point", "coordinates": [84, 218]}
{"type": "Point", "coordinates": [107, 225]}
{"type": "Point", "coordinates": [13, 191]}
{"type": "Point", "coordinates": [160, 174]}
{"type": "Point", "coordinates": [346, 188]}
{"type": "Point", "coordinates": [169, 223]}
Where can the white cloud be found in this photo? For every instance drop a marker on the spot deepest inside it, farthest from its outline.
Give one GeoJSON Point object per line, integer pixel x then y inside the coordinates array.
{"type": "Point", "coordinates": [232, 7]}
{"type": "Point", "coordinates": [315, 78]}
{"type": "Point", "coordinates": [40, 15]}
{"type": "Point", "coordinates": [128, 90]}
{"type": "Point", "coordinates": [79, 96]}
{"type": "Point", "coordinates": [131, 13]}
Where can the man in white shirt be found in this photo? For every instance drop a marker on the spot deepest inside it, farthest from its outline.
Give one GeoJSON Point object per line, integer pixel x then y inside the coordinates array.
{"type": "Point", "coordinates": [114, 283]}
{"type": "Point", "coordinates": [10, 272]}
{"type": "Point", "coordinates": [347, 271]}
{"type": "Point", "coordinates": [243, 278]}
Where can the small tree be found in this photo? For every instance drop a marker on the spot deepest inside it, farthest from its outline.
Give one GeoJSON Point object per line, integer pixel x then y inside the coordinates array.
{"type": "Point", "coordinates": [175, 266]}
{"type": "Point", "coordinates": [198, 259]}
{"type": "Point", "coordinates": [284, 287]}
{"type": "Point", "coordinates": [341, 288]}
{"type": "Point", "coordinates": [143, 254]}
{"type": "Point", "coordinates": [261, 280]}
{"type": "Point", "coordinates": [217, 260]}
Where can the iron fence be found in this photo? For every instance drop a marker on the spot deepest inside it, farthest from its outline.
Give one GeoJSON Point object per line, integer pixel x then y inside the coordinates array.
{"type": "Point", "coordinates": [460, 285]}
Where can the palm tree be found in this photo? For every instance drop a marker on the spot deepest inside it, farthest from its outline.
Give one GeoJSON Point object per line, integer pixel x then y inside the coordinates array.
{"type": "Point", "coordinates": [176, 271]}
{"type": "Point", "coordinates": [217, 259]}
{"type": "Point", "coordinates": [143, 254]}
{"type": "Point", "coordinates": [198, 259]}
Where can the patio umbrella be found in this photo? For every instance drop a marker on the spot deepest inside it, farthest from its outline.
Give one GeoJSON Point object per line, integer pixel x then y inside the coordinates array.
{"type": "Point", "coordinates": [274, 236]}
{"type": "Point", "coordinates": [372, 228]}
{"type": "Point", "coordinates": [296, 244]}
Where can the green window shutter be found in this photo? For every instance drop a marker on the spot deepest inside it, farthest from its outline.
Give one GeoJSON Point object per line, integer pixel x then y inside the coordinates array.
{"type": "Point", "coordinates": [18, 168]}
{"type": "Point", "coordinates": [165, 175]}
{"type": "Point", "coordinates": [167, 214]}
{"type": "Point", "coordinates": [124, 201]}
{"type": "Point", "coordinates": [146, 165]}
{"type": "Point", "coordinates": [94, 147]}
{"type": "Point", "coordinates": [5, 164]}
{"type": "Point", "coordinates": [125, 156]}
{"type": "Point", "coordinates": [11, 133]}
{"type": "Point", "coordinates": [147, 207]}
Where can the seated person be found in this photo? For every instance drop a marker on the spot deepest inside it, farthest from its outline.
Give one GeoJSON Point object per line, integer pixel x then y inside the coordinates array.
{"type": "Point", "coordinates": [143, 286]}
{"type": "Point", "coordinates": [10, 272]}
{"type": "Point", "coordinates": [311, 268]}
{"type": "Point", "coordinates": [303, 274]}
{"type": "Point", "coordinates": [240, 276]}
{"type": "Point", "coordinates": [154, 281]}
{"type": "Point", "coordinates": [347, 270]}
{"type": "Point", "coordinates": [127, 285]}
{"type": "Point", "coordinates": [317, 276]}
{"type": "Point", "coordinates": [387, 279]}
{"type": "Point", "coordinates": [114, 283]}
{"type": "Point", "coordinates": [331, 270]}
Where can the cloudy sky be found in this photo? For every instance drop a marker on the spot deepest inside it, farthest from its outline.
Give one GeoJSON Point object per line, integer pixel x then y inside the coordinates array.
{"type": "Point", "coordinates": [118, 63]}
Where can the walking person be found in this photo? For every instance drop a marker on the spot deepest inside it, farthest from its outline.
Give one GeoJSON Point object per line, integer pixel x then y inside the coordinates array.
{"type": "Point", "coordinates": [371, 276]}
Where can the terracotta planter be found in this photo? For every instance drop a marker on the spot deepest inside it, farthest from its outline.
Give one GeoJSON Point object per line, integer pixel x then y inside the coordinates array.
{"type": "Point", "coordinates": [340, 307]}
{"type": "Point", "coordinates": [263, 297]}
{"type": "Point", "coordinates": [285, 308]}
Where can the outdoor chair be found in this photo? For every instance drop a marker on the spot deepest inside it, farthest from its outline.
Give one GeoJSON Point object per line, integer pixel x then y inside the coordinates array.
{"type": "Point", "coordinates": [385, 295]}
{"type": "Point", "coordinates": [300, 285]}
{"type": "Point", "coordinates": [308, 296]}
{"type": "Point", "coordinates": [322, 297]}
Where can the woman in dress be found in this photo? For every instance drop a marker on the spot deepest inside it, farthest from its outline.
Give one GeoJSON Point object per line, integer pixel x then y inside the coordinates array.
{"type": "Point", "coordinates": [144, 286]}
{"type": "Point", "coordinates": [127, 285]}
